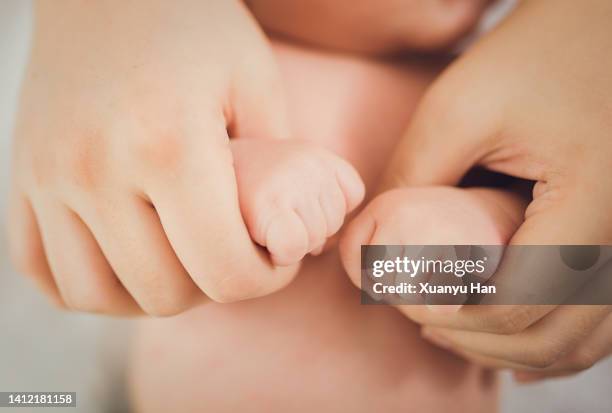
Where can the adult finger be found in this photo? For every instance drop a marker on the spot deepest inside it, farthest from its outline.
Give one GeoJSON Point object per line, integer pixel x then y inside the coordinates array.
{"type": "Point", "coordinates": [197, 201]}
{"type": "Point", "coordinates": [594, 348]}
{"type": "Point", "coordinates": [84, 278]}
{"type": "Point", "coordinates": [481, 360]}
{"type": "Point", "coordinates": [538, 346]}
{"type": "Point", "coordinates": [447, 135]}
{"type": "Point", "coordinates": [131, 236]}
{"type": "Point", "coordinates": [26, 248]}
{"type": "Point", "coordinates": [496, 319]}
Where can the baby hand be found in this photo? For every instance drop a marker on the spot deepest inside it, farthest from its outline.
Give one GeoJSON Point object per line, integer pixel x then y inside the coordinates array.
{"type": "Point", "coordinates": [365, 26]}
{"type": "Point", "coordinates": [293, 195]}
{"type": "Point", "coordinates": [122, 142]}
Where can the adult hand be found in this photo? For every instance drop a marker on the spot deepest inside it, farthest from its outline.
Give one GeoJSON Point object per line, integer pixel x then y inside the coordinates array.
{"type": "Point", "coordinates": [124, 197]}
{"type": "Point", "coordinates": [531, 100]}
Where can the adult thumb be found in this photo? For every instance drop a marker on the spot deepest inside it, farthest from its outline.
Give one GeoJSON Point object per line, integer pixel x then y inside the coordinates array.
{"type": "Point", "coordinates": [449, 133]}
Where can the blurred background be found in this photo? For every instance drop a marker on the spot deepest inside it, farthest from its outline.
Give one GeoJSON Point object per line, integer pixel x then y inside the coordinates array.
{"type": "Point", "coordinates": [42, 349]}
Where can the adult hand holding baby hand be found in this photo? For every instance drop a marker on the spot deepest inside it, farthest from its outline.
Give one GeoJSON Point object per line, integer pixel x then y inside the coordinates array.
{"type": "Point", "coordinates": [123, 190]}
{"type": "Point", "coordinates": [531, 100]}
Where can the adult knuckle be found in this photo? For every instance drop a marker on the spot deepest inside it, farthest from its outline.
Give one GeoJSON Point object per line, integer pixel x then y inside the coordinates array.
{"type": "Point", "coordinates": [86, 161]}
{"type": "Point", "coordinates": [582, 359]}
{"type": "Point", "coordinates": [161, 150]}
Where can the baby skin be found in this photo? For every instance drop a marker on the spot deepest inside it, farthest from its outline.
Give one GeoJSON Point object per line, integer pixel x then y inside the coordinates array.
{"type": "Point", "coordinates": [312, 346]}
{"type": "Point", "coordinates": [432, 216]}
{"type": "Point", "coordinates": [293, 195]}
